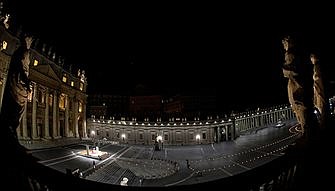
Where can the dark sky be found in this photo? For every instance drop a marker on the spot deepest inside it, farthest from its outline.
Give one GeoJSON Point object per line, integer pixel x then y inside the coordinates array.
{"type": "Point", "coordinates": [234, 49]}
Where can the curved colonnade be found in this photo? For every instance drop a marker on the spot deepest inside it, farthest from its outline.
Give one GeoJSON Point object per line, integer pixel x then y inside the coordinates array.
{"type": "Point", "coordinates": [185, 132]}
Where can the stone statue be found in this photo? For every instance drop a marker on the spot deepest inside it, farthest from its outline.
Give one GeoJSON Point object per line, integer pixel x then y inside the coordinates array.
{"type": "Point", "coordinates": [319, 93]}
{"type": "Point", "coordinates": [82, 77]}
{"type": "Point", "coordinates": [78, 74]}
{"type": "Point", "coordinates": [13, 105]}
{"type": "Point", "coordinates": [300, 84]}
{"type": "Point", "coordinates": [17, 87]}
{"type": "Point", "coordinates": [6, 21]}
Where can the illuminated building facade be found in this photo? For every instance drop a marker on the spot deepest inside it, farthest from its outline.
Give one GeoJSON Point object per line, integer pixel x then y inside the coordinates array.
{"type": "Point", "coordinates": [56, 106]}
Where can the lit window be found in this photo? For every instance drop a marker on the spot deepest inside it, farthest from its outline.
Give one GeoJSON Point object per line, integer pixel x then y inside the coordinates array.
{"type": "Point", "coordinates": [81, 86]}
{"type": "Point", "coordinates": [41, 97]}
{"type": "Point", "coordinates": [35, 62]}
{"type": "Point", "coordinates": [80, 108]}
{"type": "Point", "coordinates": [30, 96]}
{"type": "Point", "coordinates": [64, 78]}
{"type": "Point", "coordinates": [62, 101]}
{"type": "Point", "coordinates": [4, 45]}
{"type": "Point", "coordinates": [72, 83]}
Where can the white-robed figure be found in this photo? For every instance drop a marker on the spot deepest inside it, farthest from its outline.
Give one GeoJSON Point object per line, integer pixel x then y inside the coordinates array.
{"type": "Point", "coordinates": [124, 182]}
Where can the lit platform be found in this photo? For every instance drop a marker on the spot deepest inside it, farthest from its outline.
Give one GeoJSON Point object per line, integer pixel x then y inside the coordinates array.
{"type": "Point", "coordinates": [95, 154]}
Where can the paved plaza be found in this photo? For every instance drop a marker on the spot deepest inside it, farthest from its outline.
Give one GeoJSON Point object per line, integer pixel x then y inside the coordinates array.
{"type": "Point", "coordinates": [172, 165]}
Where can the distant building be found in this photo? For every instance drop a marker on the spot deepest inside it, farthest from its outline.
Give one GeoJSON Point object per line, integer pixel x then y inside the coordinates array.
{"type": "Point", "coordinates": [143, 104]}
{"type": "Point", "coordinates": [107, 105]}
{"type": "Point", "coordinates": [187, 103]}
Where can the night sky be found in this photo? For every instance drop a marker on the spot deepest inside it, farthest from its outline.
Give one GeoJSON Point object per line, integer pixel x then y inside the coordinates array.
{"type": "Point", "coordinates": [233, 51]}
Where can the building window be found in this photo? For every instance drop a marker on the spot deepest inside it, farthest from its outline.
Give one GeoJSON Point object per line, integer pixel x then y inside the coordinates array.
{"type": "Point", "coordinates": [30, 96]}
{"type": "Point", "coordinates": [35, 62]}
{"type": "Point", "coordinates": [64, 78]}
{"type": "Point", "coordinates": [153, 137]}
{"type": "Point", "coordinates": [107, 134]}
{"type": "Point", "coordinates": [81, 86]}
{"type": "Point", "coordinates": [191, 136]}
{"type": "Point", "coordinates": [72, 83]}
{"type": "Point", "coordinates": [118, 135]}
{"type": "Point", "coordinates": [203, 135]}
{"type": "Point", "coordinates": [166, 137]}
{"type": "Point", "coordinates": [62, 101]}
{"type": "Point", "coordinates": [141, 136]}
{"type": "Point", "coordinates": [178, 136]}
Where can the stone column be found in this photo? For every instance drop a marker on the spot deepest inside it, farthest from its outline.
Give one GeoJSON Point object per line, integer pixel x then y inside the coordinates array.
{"type": "Point", "coordinates": [185, 140]}
{"type": "Point", "coordinates": [84, 133]}
{"type": "Point", "coordinates": [33, 116]}
{"type": "Point", "coordinates": [58, 120]}
{"type": "Point", "coordinates": [24, 122]}
{"type": "Point", "coordinates": [54, 115]}
{"type": "Point", "coordinates": [262, 120]}
{"type": "Point", "coordinates": [226, 130]}
{"type": "Point", "coordinates": [75, 118]}
{"type": "Point", "coordinates": [218, 137]}
{"type": "Point", "coordinates": [66, 116]}
{"type": "Point", "coordinates": [233, 133]}
{"type": "Point", "coordinates": [46, 115]}
{"type": "Point", "coordinates": [18, 131]}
